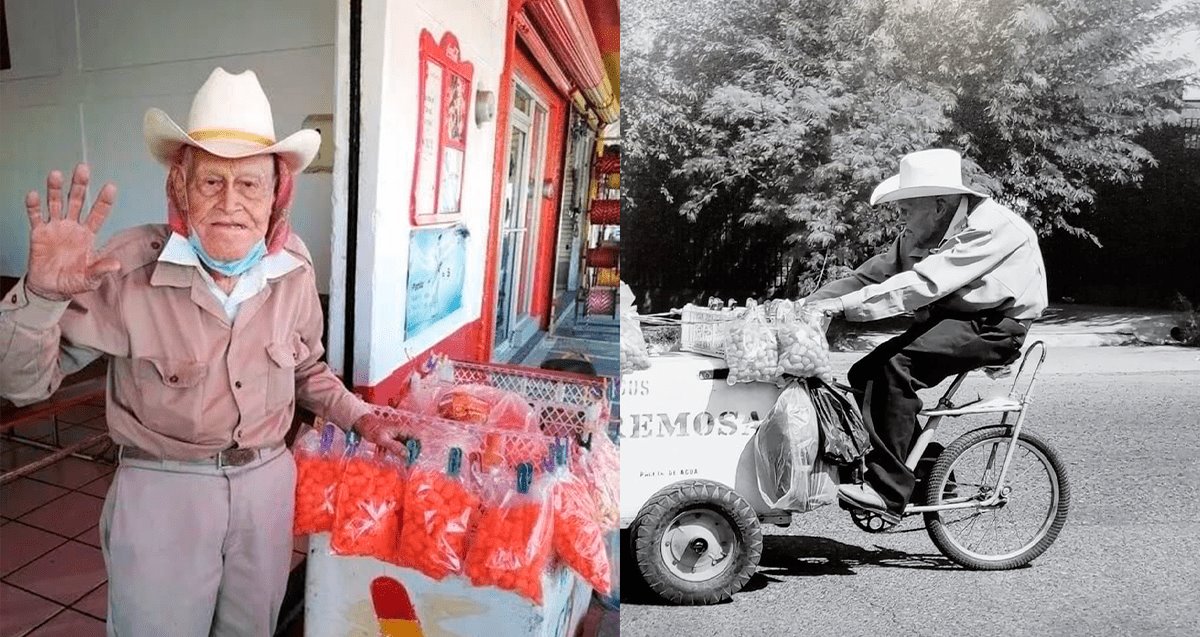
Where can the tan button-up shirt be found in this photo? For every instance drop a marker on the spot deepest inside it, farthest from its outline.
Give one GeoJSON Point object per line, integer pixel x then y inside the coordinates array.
{"type": "Point", "coordinates": [184, 381]}
{"type": "Point", "coordinates": [989, 261]}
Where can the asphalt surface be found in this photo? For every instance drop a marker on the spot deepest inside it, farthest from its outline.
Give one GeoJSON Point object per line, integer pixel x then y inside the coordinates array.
{"type": "Point", "coordinates": [1126, 420]}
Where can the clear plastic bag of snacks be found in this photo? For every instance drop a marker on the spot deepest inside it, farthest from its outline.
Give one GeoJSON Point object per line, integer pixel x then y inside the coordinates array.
{"type": "Point", "coordinates": [803, 349]}
{"type": "Point", "coordinates": [486, 405]}
{"type": "Point", "coordinates": [512, 542]}
{"type": "Point", "coordinates": [367, 513]}
{"type": "Point", "coordinates": [436, 518]}
{"type": "Point", "coordinates": [752, 350]}
{"type": "Point", "coordinates": [578, 537]}
{"type": "Point", "coordinates": [319, 459]}
{"type": "Point", "coordinates": [599, 466]}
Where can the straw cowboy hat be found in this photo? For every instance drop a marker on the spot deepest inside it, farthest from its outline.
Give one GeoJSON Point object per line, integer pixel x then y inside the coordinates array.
{"type": "Point", "coordinates": [925, 173]}
{"type": "Point", "coordinates": [230, 118]}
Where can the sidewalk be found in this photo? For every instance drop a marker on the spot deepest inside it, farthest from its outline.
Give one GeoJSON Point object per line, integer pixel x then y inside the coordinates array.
{"type": "Point", "coordinates": [1060, 326]}
{"type": "Point", "coordinates": [597, 337]}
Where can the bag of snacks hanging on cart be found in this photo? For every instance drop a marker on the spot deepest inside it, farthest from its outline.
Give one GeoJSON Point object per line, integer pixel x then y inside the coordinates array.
{"type": "Point", "coordinates": [803, 349]}
{"type": "Point", "coordinates": [599, 466]}
{"type": "Point", "coordinates": [367, 512]}
{"type": "Point", "coordinates": [752, 349]}
{"type": "Point", "coordinates": [436, 516]}
{"type": "Point", "coordinates": [578, 537]}
{"type": "Point", "coordinates": [512, 542]}
{"type": "Point", "coordinates": [319, 459]}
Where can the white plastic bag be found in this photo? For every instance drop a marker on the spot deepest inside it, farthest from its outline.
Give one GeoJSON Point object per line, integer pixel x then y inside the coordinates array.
{"type": "Point", "coordinates": [752, 350]}
{"type": "Point", "coordinates": [786, 453]}
{"type": "Point", "coordinates": [634, 355]}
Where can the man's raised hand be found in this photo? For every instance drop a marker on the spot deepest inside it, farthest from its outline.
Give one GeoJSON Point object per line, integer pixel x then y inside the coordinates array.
{"type": "Point", "coordinates": [62, 259]}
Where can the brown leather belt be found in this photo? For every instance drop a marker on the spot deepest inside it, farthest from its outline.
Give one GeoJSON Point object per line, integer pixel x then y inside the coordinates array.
{"type": "Point", "coordinates": [227, 458]}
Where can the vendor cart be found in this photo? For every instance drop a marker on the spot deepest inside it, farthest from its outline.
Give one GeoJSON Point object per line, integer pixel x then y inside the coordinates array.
{"type": "Point", "coordinates": [361, 595]}
{"type": "Point", "coordinates": [687, 481]}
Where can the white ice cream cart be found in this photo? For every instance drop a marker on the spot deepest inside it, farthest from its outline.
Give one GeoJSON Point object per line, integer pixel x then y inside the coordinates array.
{"type": "Point", "coordinates": [689, 496]}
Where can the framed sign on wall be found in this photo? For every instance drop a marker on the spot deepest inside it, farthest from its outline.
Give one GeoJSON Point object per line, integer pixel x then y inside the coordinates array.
{"type": "Point", "coordinates": [437, 272]}
{"type": "Point", "coordinates": [442, 115]}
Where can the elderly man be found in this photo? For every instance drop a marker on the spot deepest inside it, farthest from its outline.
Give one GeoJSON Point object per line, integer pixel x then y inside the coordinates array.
{"type": "Point", "coordinates": [972, 270]}
{"type": "Point", "coordinates": [212, 330]}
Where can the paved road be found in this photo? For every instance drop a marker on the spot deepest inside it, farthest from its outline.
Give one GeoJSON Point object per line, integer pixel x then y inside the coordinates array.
{"type": "Point", "coordinates": [1127, 422]}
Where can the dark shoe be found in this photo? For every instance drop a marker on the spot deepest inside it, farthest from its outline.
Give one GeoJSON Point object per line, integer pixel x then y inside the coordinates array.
{"type": "Point", "coordinates": [866, 498]}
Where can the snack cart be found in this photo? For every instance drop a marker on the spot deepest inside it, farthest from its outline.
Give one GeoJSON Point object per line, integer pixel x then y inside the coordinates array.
{"type": "Point", "coordinates": [350, 594]}
{"type": "Point", "coordinates": [690, 492]}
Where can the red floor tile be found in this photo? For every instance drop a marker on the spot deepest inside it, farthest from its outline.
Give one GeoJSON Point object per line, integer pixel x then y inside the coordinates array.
{"type": "Point", "coordinates": [38, 430]}
{"type": "Point", "coordinates": [91, 537]}
{"type": "Point", "coordinates": [70, 435]}
{"type": "Point", "coordinates": [70, 624]}
{"type": "Point", "coordinates": [80, 414]}
{"type": "Point", "coordinates": [64, 575]}
{"type": "Point", "coordinates": [67, 516]}
{"type": "Point", "coordinates": [98, 423]}
{"type": "Point", "coordinates": [24, 495]}
{"type": "Point", "coordinates": [22, 611]}
{"type": "Point", "coordinates": [72, 473]}
{"type": "Point", "coordinates": [94, 603]}
{"type": "Point", "coordinates": [98, 487]}
{"type": "Point", "coordinates": [19, 455]}
{"type": "Point", "coordinates": [21, 544]}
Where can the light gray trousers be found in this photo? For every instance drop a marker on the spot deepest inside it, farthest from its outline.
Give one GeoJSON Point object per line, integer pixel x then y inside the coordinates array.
{"type": "Point", "coordinates": [194, 550]}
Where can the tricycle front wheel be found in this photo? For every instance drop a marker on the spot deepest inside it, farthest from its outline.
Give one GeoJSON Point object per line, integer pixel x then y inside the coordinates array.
{"type": "Point", "coordinates": [696, 542]}
{"type": "Point", "coordinates": [1032, 507]}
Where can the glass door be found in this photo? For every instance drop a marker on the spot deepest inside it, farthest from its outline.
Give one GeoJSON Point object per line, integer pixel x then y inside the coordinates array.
{"type": "Point", "coordinates": [521, 218]}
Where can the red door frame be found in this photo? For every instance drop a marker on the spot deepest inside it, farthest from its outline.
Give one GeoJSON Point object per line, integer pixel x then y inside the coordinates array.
{"type": "Point", "coordinates": [518, 63]}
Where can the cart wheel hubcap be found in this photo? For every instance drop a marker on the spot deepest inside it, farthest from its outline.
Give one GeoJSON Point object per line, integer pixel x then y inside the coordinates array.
{"type": "Point", "coordinates": [698, 545]}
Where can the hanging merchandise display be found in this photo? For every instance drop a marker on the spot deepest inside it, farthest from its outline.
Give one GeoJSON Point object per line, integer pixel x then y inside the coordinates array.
{"type": "Point", "coordinates": [496, 458]}
{"type": "Point", "coordinates": [601, 274]}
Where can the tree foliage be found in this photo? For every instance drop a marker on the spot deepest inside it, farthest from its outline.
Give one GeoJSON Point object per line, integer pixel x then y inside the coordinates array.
{"type": "Point", "coordinates": [784, 114]}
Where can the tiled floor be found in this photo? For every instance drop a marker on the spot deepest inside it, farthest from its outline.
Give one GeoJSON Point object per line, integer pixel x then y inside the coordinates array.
{"type": "Point", "coordinates": [52, 578]}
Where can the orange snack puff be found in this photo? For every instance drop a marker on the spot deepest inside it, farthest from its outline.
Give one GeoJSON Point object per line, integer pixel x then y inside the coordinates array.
{"type": "Point", "coordinates": [512, 542]}
{"type": "Point", "coordinates": [367, 513]}
{"type": "Point", "coordinates": [318, 468]}
{"type": "Point", "coordinates": [578, 539]}
{"type": "Point", "coordinates": [436, 520]}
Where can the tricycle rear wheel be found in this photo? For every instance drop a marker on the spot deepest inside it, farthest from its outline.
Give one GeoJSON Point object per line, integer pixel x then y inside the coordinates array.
{"type": "Point", "coordinates": [696, 542]}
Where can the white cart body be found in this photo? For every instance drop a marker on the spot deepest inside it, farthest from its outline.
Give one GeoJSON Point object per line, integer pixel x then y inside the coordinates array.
{"type": "Point", "coordinates": [681, 420]}
{"type": "Point", "coordinates": [338, 601]}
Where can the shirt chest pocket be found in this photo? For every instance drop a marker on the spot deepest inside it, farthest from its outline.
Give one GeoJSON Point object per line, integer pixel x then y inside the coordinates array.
{"type": "Point", "coordinates": [281, 372]}
{"type": "Point", "coordinates": [171, 393]}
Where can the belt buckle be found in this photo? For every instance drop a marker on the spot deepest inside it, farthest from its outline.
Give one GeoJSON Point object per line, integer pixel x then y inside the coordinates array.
{"type": "Point", "coordinates": [236, 457]}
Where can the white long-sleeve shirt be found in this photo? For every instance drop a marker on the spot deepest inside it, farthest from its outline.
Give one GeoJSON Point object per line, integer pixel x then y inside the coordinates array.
{"type": "Point", "coordinates": [989, 261]}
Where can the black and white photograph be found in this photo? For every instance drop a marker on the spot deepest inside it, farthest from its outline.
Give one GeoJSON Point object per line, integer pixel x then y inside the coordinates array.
{"type": "Point", "coordinates": [910, 317]}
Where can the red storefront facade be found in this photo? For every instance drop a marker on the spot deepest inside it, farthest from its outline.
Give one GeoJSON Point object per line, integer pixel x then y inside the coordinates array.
{"type": "Point", "coordinates": [552, 81]}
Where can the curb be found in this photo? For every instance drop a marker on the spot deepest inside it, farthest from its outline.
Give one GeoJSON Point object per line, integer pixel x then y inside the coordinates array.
{"type": "Point", "coordinates": [862, 343]}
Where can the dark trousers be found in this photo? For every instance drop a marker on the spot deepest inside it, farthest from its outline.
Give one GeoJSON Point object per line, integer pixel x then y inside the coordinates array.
{"type": "Point", "coordinates": [933, 349]}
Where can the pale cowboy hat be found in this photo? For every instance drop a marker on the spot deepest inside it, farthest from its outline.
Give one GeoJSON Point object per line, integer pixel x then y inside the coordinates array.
{"type": "Point", "coordinates": [230, 118]}
{"type": "Point", "coordinates": [925, 173]}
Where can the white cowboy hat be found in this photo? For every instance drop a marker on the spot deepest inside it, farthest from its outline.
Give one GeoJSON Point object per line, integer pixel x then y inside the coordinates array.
{"type": "Point", "coordinates": [230, 118]}
{"type": "Point", "coordinates": [925, 173]}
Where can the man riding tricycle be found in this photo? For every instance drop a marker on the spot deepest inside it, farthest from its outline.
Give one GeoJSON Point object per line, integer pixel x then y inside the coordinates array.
{"type": "Point", "coordinates": [707, 456]}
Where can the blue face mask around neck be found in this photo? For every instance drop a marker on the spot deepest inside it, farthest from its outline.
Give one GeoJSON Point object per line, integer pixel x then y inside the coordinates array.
{"type": "Point", "coordinates": [228, 268]}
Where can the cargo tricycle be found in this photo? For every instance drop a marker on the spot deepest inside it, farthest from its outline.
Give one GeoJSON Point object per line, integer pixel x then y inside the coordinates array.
{"type": "Point", "coordinates": [994, 498]}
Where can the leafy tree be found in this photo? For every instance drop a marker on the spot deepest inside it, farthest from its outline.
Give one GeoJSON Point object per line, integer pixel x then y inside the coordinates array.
{"type": "Point", "coordinates": [782, 115]}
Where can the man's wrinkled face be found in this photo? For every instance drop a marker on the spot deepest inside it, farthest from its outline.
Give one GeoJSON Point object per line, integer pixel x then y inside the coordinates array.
{"type": "Point", "coordinates": [229, 202]}
{"type": "Point", "coordinates": [928, 218]}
